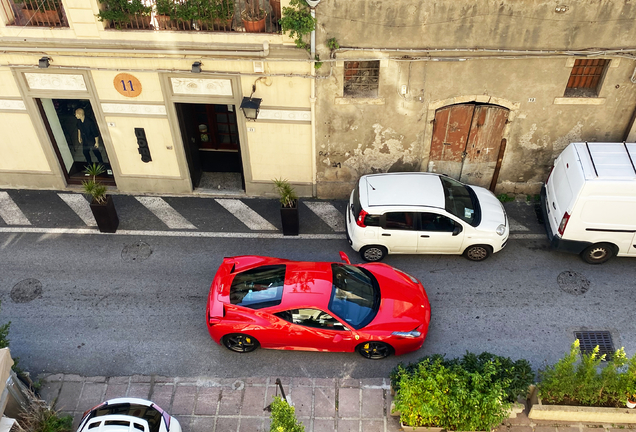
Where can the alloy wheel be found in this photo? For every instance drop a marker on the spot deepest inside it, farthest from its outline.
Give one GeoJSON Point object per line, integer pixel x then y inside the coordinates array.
{"type": "Point", "coordinates": [240, 343]}
{"type": "Point", "coordinates": [374, 350]}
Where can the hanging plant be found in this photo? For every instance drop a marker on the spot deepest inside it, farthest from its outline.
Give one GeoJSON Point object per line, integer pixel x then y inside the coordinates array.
{"type": "Point", "coordinates": [297, 20]}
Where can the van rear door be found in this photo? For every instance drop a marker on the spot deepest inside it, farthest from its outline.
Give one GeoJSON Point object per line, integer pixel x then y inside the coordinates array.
{"type": "Point", "coordinates": [563, 186]}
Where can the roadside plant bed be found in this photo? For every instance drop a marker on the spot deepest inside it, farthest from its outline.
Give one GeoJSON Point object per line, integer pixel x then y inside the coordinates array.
{"type": "Point", "coordinates": [580, 388]}
{"type": "Point", "coordinates": [472, 393]}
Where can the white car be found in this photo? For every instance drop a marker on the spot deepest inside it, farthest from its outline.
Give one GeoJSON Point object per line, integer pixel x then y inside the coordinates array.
{"type": "Point", "coordinates": [128, 414]}
{"type": "Point", "coordinates": [424, 213]}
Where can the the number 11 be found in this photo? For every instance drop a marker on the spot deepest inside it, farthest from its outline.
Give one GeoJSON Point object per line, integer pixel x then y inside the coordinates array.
{"type": "Point", "coordinates": [123, 84]}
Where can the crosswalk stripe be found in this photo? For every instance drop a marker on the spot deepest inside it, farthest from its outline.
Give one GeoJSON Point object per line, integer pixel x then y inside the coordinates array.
{"type": "Point", "coordinates": [165, 212]}
{"type": "Point", "coordinates": [516, 226]}
{"type": "Point", "coordinates": [80, 206]}
{"type": "Point", "coordinates": [10, 212]}
{"type": "Point", "coordinates": [328, 213]}
{"type": "Point", "coordinates": [249, 217]}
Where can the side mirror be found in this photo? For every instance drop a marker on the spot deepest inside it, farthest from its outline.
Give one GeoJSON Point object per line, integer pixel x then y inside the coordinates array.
{"type": "Point", "coordinates": [457, 230]}
{"type": "Point", "coordinates": [344, 258]}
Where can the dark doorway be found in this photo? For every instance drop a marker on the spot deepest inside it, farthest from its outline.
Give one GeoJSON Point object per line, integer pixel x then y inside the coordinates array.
{"type": "Point", "coordinates": [62, 124]}
{"type": "Point", "coordinates": [210, 134]}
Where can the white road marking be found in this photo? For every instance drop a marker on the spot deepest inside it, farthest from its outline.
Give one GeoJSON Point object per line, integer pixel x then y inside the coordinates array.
{"type": "Point", "coordinates": [80, 206]}
{"type": "Point", "coordinates": [249, 217]}
{"type": "Point", "coordinates": [328, 213]}
{"type": "Point", "coordinates": [94, 231]}
{"type": "Point", "coordinates": [166, 213]}
{"type": "Point", "coordinates": [10, 212]}
{"type": "Point", "coordinates": [516, 226]}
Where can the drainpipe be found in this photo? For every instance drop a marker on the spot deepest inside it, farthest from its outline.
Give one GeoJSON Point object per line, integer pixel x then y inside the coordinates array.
{"type": "Point", "coordinates": [312, 99]}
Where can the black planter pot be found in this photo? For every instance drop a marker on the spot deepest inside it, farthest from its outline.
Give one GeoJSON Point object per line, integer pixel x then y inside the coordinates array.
{"type": "Point", "coordinates": [105, 215]}
{"type": "Point", "coordinates": [289, 217]}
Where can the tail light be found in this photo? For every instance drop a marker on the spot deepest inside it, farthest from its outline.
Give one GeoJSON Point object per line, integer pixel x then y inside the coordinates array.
{"type": "Point", "coordinates": [549, 174]}
{"type": "Point", "coordinates": [564, 222]}
{"type": "Point", "coordinates": [360, 220]}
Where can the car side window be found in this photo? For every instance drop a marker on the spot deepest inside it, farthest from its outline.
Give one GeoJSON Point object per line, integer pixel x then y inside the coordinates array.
{"type": "Point", "coordinates": [311, 318]}
{"type": "Point", "coordinates": [436, 222]}
{"type": "Point", "coordinates": [399, 220]}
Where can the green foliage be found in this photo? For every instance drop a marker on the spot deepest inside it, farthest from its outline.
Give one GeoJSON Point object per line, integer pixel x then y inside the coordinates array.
{"type": "Point", "coordinates": [505, 198]}
{"type": "Point", "coordinates": [574, 381]}
{"type": "Point", "coordinates": [333, 44]}
{"type": "Point", "coordinates": [286, 192]}
{"type": "Point", "coordinates": [165, 7]}
{"type": "Point", "coordinates": [253, 11]}
{"type": "Point", "coordinates": [439, 393]}
{"type": "Point", "coordinates": [92, 187]}
{"type": "Point", "coordinates": [121, 10]}
{"type": "Point", "coordinates": [297, 20]}
{"type": "Point", "coordinates": [39, 417]}
{"type": "Point", "coordinates": [533, 198]}
{"type": "Point", "coordinates": [284, 417]}
{"type": "Point", "coordinates": [318, 63]}
{"type": "Point", "coordinates": [4, 334]}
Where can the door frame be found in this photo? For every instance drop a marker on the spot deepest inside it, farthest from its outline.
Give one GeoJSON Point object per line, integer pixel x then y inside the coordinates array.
{"type": "Point", "coordinates": [171, 98]}
{"type": "Point", "coordinates": [433, 106]}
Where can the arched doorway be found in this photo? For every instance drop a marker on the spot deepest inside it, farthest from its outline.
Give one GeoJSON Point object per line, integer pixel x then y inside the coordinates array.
{"type": "Point", "coordinates": [467, 142]}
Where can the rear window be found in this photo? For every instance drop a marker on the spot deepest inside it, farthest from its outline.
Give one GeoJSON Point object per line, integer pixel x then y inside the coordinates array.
{"type": "Point", "coordinates": [562, 189]}
{"type": "Point", "coordinates": [460, 200]}
{"type": "Point", "coordinates": [259, 287]}
{"type": "Point", "coordinates": [148, 413]}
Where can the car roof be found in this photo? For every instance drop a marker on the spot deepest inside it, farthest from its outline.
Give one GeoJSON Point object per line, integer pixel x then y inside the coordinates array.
{"type": "Point", "coordinates": [307, 284]}
{"type": "Point", "coordinates": [401, 189]}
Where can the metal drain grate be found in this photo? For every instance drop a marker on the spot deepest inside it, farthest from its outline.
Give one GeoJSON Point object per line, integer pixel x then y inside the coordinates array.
{"type": "Point", "coordinates": [590, 339]}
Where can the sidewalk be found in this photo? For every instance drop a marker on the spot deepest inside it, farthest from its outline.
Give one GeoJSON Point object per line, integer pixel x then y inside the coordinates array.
{"type": "Point", "coordinates": [237, 405]}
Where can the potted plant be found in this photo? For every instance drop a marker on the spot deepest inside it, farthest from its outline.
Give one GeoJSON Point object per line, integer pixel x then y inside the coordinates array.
{"type": "Point", "coordinates": [42, 12]}
{"type": "Point", "coordinates": [123, 13]}
{"type": "Point", "coordinates": [631, 399]}
{"type": "Point", "coordinates": [222, 13]}
{"type": "Point", "coordinates": [186, 12]}
{"type": "Point", "coordinates": [284, 417]}
{"type": "Point", "coordinates": [102, 204]}
{"type": "Point", "coordinates": [253, 17]}
{"type": "Point", "coordinates": [297, 20]}
{"type": "Point", "coordinates": [288, 206]}
{"type": "Point", "coordinates": [165, 13]}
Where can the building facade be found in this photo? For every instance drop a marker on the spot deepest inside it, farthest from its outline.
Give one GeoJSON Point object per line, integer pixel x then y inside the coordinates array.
{"type": "Point", "coordinates": [488, 92]}
{"type": "Point", "coordinates": [153, 95]}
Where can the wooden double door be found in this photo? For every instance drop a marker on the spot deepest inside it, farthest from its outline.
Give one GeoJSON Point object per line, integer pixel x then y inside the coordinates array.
{"type": "Point", "coordinates": [468, 143]}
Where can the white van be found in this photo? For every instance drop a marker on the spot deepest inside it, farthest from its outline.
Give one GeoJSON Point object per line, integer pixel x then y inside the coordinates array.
{"type": "Point", "coordinates": [589, 201]}
{"type": "Point", "coordinates": [424, 213]}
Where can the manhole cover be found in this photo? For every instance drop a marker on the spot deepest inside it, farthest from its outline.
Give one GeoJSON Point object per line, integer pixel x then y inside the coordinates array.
{"type": "Point", "coordinates": [26, 291]}
{"type": "Point", "coordinates": [591, 339]}
{"type": "Point", "coordinates": [136, 252]}
{"type": "Point", "coordinates": [573, 283]}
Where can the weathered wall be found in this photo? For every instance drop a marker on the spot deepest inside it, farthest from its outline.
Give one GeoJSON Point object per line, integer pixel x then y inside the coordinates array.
{"type": "Point", "coordinates": [393, 132]}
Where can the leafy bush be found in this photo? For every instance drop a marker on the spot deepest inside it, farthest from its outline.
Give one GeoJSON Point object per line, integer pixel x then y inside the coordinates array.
{"type": "Point", "coordinates": [4, 334]}
{"type": "Point", "coordinates": [505, 198]}
{"type": "Point", "coordinates": [297, 20]}
{"type": "Point", "coordinates": [39, 417]}
{"type": "Point", "coordinates": [584, 382]}
{"type": "Point", "coordinates": [284, 417]}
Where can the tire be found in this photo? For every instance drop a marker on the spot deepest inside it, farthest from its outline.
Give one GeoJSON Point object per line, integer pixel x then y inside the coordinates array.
{"type": "Point", "coordinates": [478, 252]}
{"type": "Point", "coordinates": [373, 253]}
{"type": "Point", "coordinates": [240, 343]}
{"type": "Point", "coordinates": [598, 253]}
{"type": "Point", "coordinates": [374, 350]}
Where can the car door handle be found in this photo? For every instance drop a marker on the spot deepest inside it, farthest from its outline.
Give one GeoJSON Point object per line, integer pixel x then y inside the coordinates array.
{"type": "Point", "coordinates": [425, 236]}
{"type": "Point", "coordinates": [386, 235]}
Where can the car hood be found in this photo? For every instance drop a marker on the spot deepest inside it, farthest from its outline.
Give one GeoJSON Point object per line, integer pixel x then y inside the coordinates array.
{"type": "Point", "coordinates": [404, 305]}
{"type": "Point", "coordinates": [492, 211]}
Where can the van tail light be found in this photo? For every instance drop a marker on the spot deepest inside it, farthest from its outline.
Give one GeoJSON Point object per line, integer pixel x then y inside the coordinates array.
{"type": "Point", "coordinates": [549, 174]}
{"type": "Point", "coordinates": [360, 220]}
{"type": "Point", "coordinates": [564, 222]}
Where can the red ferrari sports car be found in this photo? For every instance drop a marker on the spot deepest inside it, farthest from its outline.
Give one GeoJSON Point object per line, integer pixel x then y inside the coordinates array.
{"type": "Point", "coordinates": [373, 308]}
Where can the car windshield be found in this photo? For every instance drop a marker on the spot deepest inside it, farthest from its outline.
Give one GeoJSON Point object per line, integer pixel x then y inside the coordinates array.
{"type": "Point", "coordinates": [356, 295]}
{"type": "Point", "coordinates": [258, 287]}
{"type": "Point", "coordinates": [461, 201]}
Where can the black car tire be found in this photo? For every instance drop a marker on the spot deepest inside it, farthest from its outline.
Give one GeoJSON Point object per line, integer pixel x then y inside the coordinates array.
{"type": "Point", "coordinates": [240, 343]}
{"type": "Point", "coordinates": [373, 253]}
{"type": "Point", "coordinates": [477, 252]}
{"type": "Point", "coordinates": [598, 253]}
{"type": "Point", "coordinates": [374, 350]}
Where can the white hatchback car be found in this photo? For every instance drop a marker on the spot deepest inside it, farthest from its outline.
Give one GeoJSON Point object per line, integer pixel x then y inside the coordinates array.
{"type": "Point", "coordinates": [424, 213]}
{"type": "Point", "coordinates": [126, 415]}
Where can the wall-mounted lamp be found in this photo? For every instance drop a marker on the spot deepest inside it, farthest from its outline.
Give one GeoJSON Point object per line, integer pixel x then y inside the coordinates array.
{"type": "Point", "coordinates": [196, 67]}
{"type": "Point", "coordinates": [44, 62]}
{"type": "Point", "coordinates": [250, 105]}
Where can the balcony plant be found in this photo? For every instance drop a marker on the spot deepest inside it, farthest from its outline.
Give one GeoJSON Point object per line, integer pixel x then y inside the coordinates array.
{"type": "Point", "coordinates": [297, 20]}
{"type": "Point", "coordinates": [165, 13]}
{"type": "Point", "coordinates": [101, 203]}
{"type": "Point", "coordinates": [125, 14]}
{"type": "Point", "coordinates": [253, 17]}
{"type": "Point", "coordinates": [288, 206]}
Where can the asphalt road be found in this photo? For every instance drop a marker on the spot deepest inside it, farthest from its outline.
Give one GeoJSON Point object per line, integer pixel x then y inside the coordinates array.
{"type": "Point", "coordinates": [102, 313]}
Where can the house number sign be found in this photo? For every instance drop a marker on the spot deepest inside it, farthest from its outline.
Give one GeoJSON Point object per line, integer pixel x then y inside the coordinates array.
{"type": "Point", "coordinates": [127, 85]}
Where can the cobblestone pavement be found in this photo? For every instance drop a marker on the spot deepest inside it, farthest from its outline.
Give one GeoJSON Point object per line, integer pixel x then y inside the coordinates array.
{"type": "Point", "coordinates": [239, 405]}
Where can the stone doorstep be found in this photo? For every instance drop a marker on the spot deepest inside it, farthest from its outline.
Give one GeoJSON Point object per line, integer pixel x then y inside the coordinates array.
{"type": "Point", "coordinates": [582, 414]}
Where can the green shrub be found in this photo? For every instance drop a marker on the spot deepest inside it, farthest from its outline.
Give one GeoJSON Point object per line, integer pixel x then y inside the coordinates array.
{"type": "Point", "coordinates": [297, 20]}
{"type": "Point", "coordinates": [39, 417]}
{"type": "Point", "coordinates": [580, 380]}
{"type": "Point", "coordinates": [4, 334]}
{"type": "Point", "coordinates": [505, 198]}
{"type": "Point", "coordinates": [439, 393]}
{"type": "Point", "coordinates": [284, 417]}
